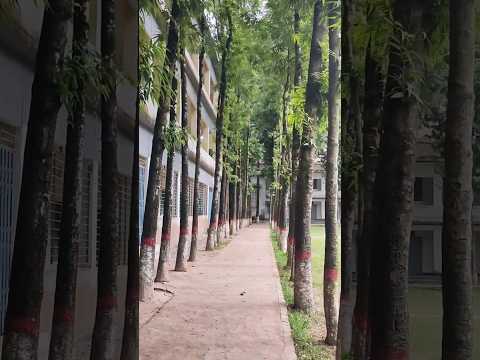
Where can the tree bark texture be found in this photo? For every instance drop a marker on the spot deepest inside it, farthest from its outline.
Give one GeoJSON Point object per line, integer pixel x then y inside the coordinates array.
{"type": "Point", "coordinates": [331, 200]}
{"type": "Point", "coordinates": [457, 338]}
{"type": "Point", "coordinates": [103, 342]}
{"type": "Point", "coordinates": [62, 333]}
{"type": "Point", "coordinates": [168, 199]}
{"type": "Point", "coordinates": [181, 261]}
{"type": "Point", "coordinates": [201, 56]}
{"type": "Point", "coordinates": [349, 176]}
{"type": "Point", "coordinates": [394, 191]}
{"type": "Point", "coordinates": [152, 198]}
{"type": "Point", "coordinates": [20, 341]}
{"type": "Point", "coordinates": [212, 229]}
{"type": "Point", "coordinates": [303, 290]}
{"type": "Point", "coordinates": [372, 113]}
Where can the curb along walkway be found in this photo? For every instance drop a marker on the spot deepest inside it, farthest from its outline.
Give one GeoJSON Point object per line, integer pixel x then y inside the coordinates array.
{"type": "Point", "coordinates": [229, 305]}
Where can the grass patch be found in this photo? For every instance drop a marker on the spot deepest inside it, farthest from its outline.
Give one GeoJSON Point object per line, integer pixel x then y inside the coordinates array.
{"type": "Point", "coordinates": [301, 324]}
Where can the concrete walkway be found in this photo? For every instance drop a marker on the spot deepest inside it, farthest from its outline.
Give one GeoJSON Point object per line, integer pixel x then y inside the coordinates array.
{"type": "Point", "coordinates": [229, 305]}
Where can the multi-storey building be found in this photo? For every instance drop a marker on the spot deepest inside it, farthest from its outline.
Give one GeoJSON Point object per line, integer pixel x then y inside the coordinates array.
{"type": "Point", "coordinates": [19, 35]}
{"type": "Point", "coordinates": [207, 149]}
{"type": "Point", "coordinates": [318, 195]}
{"type": "Point", "coordinates": [425, 256]}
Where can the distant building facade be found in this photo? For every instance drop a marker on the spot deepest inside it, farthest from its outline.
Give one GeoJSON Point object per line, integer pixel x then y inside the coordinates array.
{"type": "Point", "coordinates": [207, 150]}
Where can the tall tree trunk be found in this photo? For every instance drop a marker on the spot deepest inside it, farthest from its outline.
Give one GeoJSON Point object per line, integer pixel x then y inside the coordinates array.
{"type": "Point", "coordinates": [62, 333]}
{"type": "Point", "coordinates": [212, 229]}
{"type": "Point", "coordinates": [152, 199]}
{"type": "Point", "coordinates": [194, 241]}
{"type": "Point", "coordinates": [103, 344]}
{"type": "Point", "coordinates": [20, 339]}
{"type": "Point", "coordinates": [221, 215]}
{"type": "Point", "coordinates": [457, 235]}
{"type": "Point", "coordinates": [232, 207]}
{"type": "Point", "coordinates": [372, 113]}
{"type": "Point", "coordinates": [181, 261]}
{"type": "Point", "coordinates": [349, 176]}
{"type": "Point", "coordinates": [257, 211]}
{"type": "Point", "coordinates": [167, 202]}
{"type": "Point", "coordinates": [295, 144]}
{"type": "Point", "coordinates": [238, 194]}
{"type": "Point", "coordinates": [130, 338]}
{"type": "Point", "coordinates": [245, 177]}
{"type": "Point", "coordinates": [282, 221]}
{"type": "Point", "coordinates": [303, 290]}
{"type": "Point", "coordinates": [394, 191]}
{"type": "Point", "coordinates": [331, 201]}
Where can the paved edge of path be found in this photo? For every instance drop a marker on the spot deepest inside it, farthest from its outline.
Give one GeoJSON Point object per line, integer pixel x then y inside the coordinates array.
{"type": "Point", "coordinates": [290, 353]}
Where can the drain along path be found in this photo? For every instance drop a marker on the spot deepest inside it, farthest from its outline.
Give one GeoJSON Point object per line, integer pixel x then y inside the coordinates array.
{"type": "Point", "coordinates": [229, 305]}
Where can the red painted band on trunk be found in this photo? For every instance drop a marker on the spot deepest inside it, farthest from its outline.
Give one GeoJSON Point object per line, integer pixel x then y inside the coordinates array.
{"type": "Point", "coordinates": [331, 274]}
{"type": "Point", "coordinates": [64, 314]}
{"type": "Point", "coordinates": [283, 229]}
{"type": "Point", "coordinates": [107, 302]}
{"type": "Point", "coordinates": [394, 354]}
{"type": "Point", "coordinates": [361, 321]}
{"type": "Point", "coordinates": [290, 240]}
{"type": "Point", "coordinates": [149, 241]}
{"type": "Point", "coordinates": [166, 237]}
{"type": "Point", "coordinates": [303, 255]}
{"type": "Point", "coordinates": [27, 326]}
{"type": "Point", "coordinates": [184, 232]}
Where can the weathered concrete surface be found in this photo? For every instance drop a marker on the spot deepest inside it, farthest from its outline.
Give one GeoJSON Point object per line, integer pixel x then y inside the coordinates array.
{"type": "Point", "coordinates": [208, 318]}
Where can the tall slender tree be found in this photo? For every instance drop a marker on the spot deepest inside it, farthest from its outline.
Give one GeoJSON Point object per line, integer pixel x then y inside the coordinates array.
{"type": "Point", "coordinates": [181, 261]}
{"type": "Point", "coordinates": [295, 140]}
{"type": "Point", "coordinates": [168, 199]}
{"type": "Point", "coordinates": [303, 291]}
{"type": "Point", "coordinates": [457, 232]}
{"type": "Point", "coordinates": [349, 176]}
{"type": "Point", "coordinates": [20, 339]}
{"type": "Point", "coordinates": [62, 333]}
{"type": "Point", "coordinates": [196, 192]}
{"type": "Point", "coordinates": [393, 199]}
{"type": "Point", "coordinates": [212, 229]}
{"type": "Point", "coordinates": [221, 211]}
{"type": "Point", "coordinates": [331, 201]}
{"type": "Point", "coordinates": [152, 199]}
{"type": "Point", "coordinates": [103, 344]}
{"type": "Point", "coordinates": [130, 336]}
{"type": "Point", "coordinates": [372, 112]}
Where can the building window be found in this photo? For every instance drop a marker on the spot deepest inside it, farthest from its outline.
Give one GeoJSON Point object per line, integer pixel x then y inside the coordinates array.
{"type": "Point", "coordinates": [317, 184]}
{"type": "Point", "coordinates": [174, 198]}
{"type": "Point", "coordinates": [202, 199]}
{"type": "Point", "coordinates": [162, 190]}
{"type": "Point", "coordinates": [142, 163]}
{"type": "Point", "coordinates": [421, 253]}
{"type": "Point", "coordinates": [7, 191]}
{"type": "Point", "coordinates": [190, 197]}
{"type": "Point", "coordinates": [92, 21]}
{"type": "Point", "coordinates": [423, 190]}
{"type": "Point", "coordinates": [84, 233]}
{"type": "Point", "coordinates": [56, 201]}
{"type": "Point", "coordinates": [476, 197]}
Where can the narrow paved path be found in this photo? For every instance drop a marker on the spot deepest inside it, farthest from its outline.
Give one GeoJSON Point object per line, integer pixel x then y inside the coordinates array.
{"type": "Point", "coordinates": [229, 305]}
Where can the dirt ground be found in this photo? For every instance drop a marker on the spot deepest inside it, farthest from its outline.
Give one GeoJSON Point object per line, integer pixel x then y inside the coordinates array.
{"type": "Point", "coordinates": [228, 306]}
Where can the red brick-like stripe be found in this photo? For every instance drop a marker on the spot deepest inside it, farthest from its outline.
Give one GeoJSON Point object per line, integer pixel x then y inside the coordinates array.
{"type": "Point", "coordinates": [166, 237]}
{"type": "Point", "coordinates": [331, 274]}
{"type": "Point", "coordinates": [291, 240]}
{"type": "Point", "coordinates": [149, 241]}
{"type": "Point", "coordinates": [303, 255]}
{"type": "Point", "coordinates": [184, 232]}
{"type": "Point", "coordinates": [27, 326]}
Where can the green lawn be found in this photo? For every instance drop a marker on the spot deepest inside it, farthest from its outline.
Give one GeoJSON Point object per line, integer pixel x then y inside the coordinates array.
{"type": "Point", "coordinates": [425, 306]}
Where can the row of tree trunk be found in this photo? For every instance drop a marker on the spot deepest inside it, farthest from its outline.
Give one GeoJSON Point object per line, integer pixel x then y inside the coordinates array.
{"type": "Point", "coordinates": [378, 164]}
{"type": "Point", "coordinates": [27, 275]}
